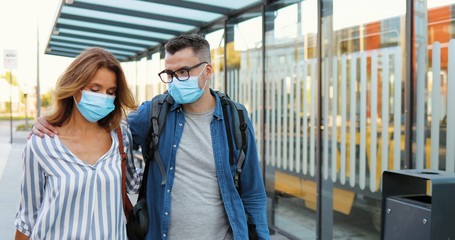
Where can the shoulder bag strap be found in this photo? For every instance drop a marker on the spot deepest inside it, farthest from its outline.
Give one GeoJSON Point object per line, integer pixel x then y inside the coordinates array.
{"type": "Point", "coordinates": [127, 206]}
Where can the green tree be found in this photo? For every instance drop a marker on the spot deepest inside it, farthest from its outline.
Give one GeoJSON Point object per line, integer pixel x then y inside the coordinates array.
{"type": "Point", "coordinates": [46, 99]}
{"type": "Point", "coordinates": [7, 78]}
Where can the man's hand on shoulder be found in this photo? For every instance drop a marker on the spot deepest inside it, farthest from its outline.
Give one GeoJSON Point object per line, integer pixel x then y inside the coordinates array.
{"type": "Point", "coordinates": [41, 127]}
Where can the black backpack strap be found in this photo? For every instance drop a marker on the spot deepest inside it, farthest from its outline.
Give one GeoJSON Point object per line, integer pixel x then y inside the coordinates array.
{"type": "Point", "coordinates": [225, 106]}
{"type": "Point", "coordinates": [239, 117]}
{"type": "Point", "coordinates": [241, 134]}
{"type": "Point", "coordinates": [158, 111]}
{"type": "Point", "coordinates": [150, 142]}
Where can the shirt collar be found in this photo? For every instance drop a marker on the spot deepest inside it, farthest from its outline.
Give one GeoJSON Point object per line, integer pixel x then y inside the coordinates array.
{"type": "Point", "coordinates": [218, 109]}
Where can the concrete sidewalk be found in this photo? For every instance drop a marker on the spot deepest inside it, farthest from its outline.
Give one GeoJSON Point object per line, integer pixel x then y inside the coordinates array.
{"type": "Point", "coordinates": [10, 177]}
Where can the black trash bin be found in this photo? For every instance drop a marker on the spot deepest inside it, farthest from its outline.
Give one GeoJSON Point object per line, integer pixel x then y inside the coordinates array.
{"type": "Point", "coordinates": [418, 204]}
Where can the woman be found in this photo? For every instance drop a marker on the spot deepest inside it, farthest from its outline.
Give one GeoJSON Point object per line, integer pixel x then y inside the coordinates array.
{"type": "Point", "coordinates": [71, 184]}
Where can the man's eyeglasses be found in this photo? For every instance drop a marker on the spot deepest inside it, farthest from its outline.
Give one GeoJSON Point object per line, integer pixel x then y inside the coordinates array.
{"type": "Point", "coordinates": [182, 74]}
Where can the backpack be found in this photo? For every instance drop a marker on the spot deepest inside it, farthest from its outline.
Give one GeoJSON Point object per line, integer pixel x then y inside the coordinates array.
{"type": "Point", "coordinates": [158, 111]}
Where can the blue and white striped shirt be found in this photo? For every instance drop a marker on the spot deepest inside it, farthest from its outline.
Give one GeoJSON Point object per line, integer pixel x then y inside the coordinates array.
{"type": "Point", "coordinates": [63, 197]}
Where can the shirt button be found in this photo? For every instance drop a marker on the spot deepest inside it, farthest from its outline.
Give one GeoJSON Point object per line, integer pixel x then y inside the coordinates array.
{"type": "Point", "coordinates": [180, 124]}
{"type": "Point", "coordinates": [174, 145]}
{"type": "Point", "coordinates": [164, 234]}
{"type": "Point", "coordinates": [171, 168]}
{"type": "Point", "coordinates": [168, 190]}
{"type": "Point", "coordinates": [166, 213]}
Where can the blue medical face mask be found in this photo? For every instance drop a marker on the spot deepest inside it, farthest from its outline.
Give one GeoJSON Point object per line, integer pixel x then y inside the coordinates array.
{"type": "Point", "coordinates": [95, 106]}
{"type": "Point", "coordinates": [188, 91]}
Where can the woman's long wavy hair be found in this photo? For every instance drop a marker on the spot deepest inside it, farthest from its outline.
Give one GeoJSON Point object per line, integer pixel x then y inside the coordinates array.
{"type": "Point", "coordinates": [77, 76]}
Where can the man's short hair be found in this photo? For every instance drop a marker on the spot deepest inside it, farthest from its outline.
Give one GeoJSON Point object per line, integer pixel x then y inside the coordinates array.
{"type": "Point", "coordinates": [198, 43]}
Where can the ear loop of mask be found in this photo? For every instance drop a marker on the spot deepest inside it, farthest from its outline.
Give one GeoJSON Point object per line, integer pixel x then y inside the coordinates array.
{"type": "Point", "coordinates": [75, 101]}
{"type": "Point", "coordinates": [205, 84]}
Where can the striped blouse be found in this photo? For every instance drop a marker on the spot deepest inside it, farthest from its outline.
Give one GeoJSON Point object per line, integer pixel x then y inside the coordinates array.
{"type": "Point", "coordinates": [63, 197]}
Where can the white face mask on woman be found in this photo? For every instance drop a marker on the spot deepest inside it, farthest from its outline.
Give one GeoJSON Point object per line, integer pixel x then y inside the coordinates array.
{"type": "Point", "coordinates": [95, 106]}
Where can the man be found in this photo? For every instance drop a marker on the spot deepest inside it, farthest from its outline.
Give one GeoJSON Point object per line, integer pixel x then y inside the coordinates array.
{"type": "Point", "coordinates": [198, 199]}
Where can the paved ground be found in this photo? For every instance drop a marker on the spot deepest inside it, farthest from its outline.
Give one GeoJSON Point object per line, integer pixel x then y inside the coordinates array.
{"type": "Point", "coordinates": [10, 174]}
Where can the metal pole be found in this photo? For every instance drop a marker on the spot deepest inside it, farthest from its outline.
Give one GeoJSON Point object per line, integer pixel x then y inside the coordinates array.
{"type": "Point", "coordinates": [38, 94]}
{"type": "Point", "coordinates": [408, 88]}
{"type": "Point", "coordinates": [26, 110]}
{"type": "Point", "coordinates": [11, 105]}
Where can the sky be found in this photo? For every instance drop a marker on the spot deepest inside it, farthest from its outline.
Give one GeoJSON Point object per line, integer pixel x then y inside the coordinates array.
{"type": "Point", "coordinates": [19, 22]}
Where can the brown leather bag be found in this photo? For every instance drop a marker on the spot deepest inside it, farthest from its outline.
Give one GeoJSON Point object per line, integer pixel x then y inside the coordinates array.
{"type": "Point", "coordinates": [127, 206]}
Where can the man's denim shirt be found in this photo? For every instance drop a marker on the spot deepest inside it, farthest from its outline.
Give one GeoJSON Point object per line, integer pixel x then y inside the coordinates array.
{"type": "Point", "coordinates": [252, 193]}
